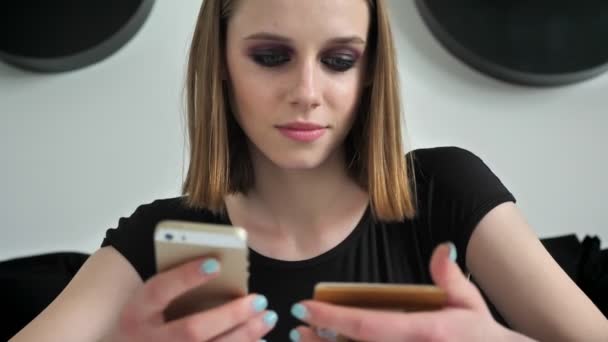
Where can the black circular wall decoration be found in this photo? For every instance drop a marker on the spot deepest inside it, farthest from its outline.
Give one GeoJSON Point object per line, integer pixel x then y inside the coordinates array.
{"type": "Point", "coordinates": [537, 43]}
{"type": "Point", "coordinates": [63, 35]}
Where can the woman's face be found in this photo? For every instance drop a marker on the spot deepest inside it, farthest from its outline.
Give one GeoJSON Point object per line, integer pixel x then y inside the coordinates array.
{"type": "Point", "coordinates": [296, 71]}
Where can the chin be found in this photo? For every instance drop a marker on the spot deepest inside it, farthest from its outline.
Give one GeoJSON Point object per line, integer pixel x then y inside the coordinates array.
{"type": "Point", "coordinates": [294, 163]}
{"type": "Point", "coordinates": [299, 160]}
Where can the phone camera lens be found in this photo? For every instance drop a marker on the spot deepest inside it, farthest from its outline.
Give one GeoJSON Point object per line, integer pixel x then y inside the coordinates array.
{"type": "Point", "coordinates": [169, 236]}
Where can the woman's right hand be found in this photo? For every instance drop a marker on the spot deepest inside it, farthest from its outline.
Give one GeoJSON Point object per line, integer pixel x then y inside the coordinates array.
{"type": "Point", "coordinates": [243, 319]}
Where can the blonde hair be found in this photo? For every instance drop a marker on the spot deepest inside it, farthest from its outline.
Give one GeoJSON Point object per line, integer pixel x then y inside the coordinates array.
{"type": "Point", "coordinates": [219, 158]}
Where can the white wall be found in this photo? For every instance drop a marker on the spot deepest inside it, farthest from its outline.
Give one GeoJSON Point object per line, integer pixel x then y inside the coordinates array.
{"type": "Point", "coordinates": [81, 149]}
{"type": "Point", "coordinates": [547, 145]}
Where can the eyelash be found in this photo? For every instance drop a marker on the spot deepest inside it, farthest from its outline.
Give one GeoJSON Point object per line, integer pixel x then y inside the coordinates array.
{"type": "Point", "coordinates": [271, 59]}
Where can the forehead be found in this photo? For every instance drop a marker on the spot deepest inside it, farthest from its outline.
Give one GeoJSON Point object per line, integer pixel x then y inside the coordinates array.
{"type": "Point", "coordinates": [301, 18]}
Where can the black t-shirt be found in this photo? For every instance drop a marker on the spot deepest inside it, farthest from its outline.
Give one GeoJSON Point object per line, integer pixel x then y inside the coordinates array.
{"type": "Point", "coordinates": [454, 190]}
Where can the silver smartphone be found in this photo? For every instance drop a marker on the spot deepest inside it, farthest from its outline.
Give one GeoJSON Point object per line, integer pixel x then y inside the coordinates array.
{"type": "Point", "coordinates": [176, 242]}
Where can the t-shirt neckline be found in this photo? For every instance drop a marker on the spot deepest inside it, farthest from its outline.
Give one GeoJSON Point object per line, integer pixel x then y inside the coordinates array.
{"type": "Point", "coordinates": [260, 259]}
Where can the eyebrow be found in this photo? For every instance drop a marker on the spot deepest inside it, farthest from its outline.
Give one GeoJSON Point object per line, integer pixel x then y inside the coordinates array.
{"type": "Point", "coordinates": [275, 37]}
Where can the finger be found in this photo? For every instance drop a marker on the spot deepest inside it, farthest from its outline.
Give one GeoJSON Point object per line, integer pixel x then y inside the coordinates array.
{"type": "Point", "coordinates": [161, 289]}
{"type": "Point", "coordinates": [305, 334]}
{"type": "Point", "coordinates": [327, 334]}
{"type": "Point", "coordinates": [367, 325]}
{"type": "Point", "coordinates": [252, 330]}
{"type": "Point", "coordinates": [447, 275]}
{"type": "Point", "coordinates": [212, 323]}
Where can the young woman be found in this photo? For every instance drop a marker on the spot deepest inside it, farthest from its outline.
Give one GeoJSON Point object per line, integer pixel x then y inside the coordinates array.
{"type": "Point", "coordinates": [294, 127]}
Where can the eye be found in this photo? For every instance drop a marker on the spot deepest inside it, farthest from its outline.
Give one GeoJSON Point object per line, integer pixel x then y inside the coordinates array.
{"type": "Point", "coordinates": [339, 62]}
{"type": "Point", "coordinates": [270, 58]}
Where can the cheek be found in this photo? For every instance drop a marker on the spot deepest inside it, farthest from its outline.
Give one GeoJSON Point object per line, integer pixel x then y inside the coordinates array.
{"type": "Point", "coordinates": [250, 95]}
{"type": "Point", "coordinates": [343, 95]}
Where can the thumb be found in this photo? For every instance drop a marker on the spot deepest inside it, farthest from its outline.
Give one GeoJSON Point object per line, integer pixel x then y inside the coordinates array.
{"type": "Point", "coordinates": [447, 275]}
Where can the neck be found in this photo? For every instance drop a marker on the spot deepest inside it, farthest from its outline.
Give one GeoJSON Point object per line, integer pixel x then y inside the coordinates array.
{"type": "Point", "coordinates": [286, 201]}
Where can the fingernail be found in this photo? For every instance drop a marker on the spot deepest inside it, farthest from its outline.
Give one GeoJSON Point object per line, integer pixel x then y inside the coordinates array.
{"type": "Point", "coordinates": [210, 266]}
{"type": "Point", "coordinates": [260, 303]}
{"type": "Point", "coordinates": [271, 318]}
{"type": "Point", "coordinates": [294, 335]}
{"type": "Point", "coordinates": [299, 311]}
{"type": "Point", "coordinates": [453, 253]}
{"type": "Point", "coordinates": [327, 334]}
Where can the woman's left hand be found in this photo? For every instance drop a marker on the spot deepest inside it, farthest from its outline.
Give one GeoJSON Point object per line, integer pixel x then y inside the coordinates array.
{"type": "Point", "coordinates": [465, 318]}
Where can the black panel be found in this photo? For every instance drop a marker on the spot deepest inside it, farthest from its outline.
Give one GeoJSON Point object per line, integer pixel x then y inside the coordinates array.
{"type": "Point", "coordinates": [529, 42]}
{"type": "Point", "coordinates": [65, 35]}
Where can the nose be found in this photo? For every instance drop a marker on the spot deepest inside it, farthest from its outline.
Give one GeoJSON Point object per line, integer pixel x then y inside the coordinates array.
{"type": "Point", "coordinates": [305, 93]}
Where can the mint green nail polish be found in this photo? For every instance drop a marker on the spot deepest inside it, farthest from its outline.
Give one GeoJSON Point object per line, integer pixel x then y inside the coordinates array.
{"type": "Point", "coordinates": [271, 318]}
{"type": "Point", "coordinates": [260, 303]}
{"type": "Point", "coordinates": [294, 335]}
{"type": "Point", "coordinates": [326, 334]}
{"type": "Point", "coordinates": [210, 266]}
{"type": "Point", "coordinates": [453, 253]}
{"type": "Point", "coordinates": [299, 311]}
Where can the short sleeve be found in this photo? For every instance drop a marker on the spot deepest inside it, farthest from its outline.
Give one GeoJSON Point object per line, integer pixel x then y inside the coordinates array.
{"type": "Point", "coordinates": [460, 189]}
{"type": "Point", "coordinates": [133, 238]}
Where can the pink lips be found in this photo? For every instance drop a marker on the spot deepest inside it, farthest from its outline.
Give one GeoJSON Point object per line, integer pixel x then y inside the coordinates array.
{"type": "Point", "coordinates": [302, 131]}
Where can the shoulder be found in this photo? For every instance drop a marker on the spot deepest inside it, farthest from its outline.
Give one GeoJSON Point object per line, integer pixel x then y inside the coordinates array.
{"type": "Point", "coordinates": [170, 208]}
{"type": "Point", "coordinates": [133, 236]}
{"type": "Point", "coordinates": [444, 161]}
{"type": "Point", "coordinates": [434, 156]}
{"type": "Point", "coordinates": [454, 190]}
{"type": "Point", "coordinates": [452, 169]}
